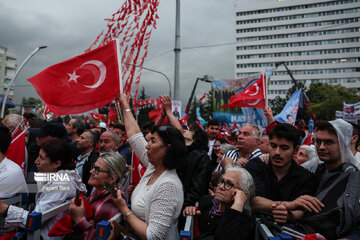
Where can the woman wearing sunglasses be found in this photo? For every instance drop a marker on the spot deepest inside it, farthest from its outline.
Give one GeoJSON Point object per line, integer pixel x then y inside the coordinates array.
{"type": "Point", "coordinates": [157, 199]}
{"type": "Point", "coordinates": [227, 215]}
{"type": "Point", "coordinates": [109, 168]}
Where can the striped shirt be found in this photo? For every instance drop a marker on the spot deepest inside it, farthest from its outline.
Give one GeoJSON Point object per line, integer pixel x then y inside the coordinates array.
{"type": "Point", "coordinates": [234, 155]}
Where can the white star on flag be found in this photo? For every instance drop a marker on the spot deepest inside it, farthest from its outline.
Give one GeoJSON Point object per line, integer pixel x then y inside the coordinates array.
{"type": "Point", "coordinates": [73, 77]}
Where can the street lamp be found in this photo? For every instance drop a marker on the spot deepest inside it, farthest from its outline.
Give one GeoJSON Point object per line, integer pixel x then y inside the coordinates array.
{"type": "Point", "coordinates": [14, 77]}
{"type": "Point", "coordinates": [206, 78]}
{"type": "Point", "coordinates": [152, 70]}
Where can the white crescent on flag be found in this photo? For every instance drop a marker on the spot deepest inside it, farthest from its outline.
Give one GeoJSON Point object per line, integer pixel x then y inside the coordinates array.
{"type": "Point", "coordinates": [257, 90]}
{"type": "Point", "coordinates": [102, 70]}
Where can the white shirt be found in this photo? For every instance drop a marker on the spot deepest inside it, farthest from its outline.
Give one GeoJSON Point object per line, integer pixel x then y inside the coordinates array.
{"type": "Point", "coordinates": [357, 157]}
{"type": "Point", "coordinates": [12, 179]}
{"type": "Point", "coordinates": [211, 146]}
{"type": "Point", "coordinates": [164, 198]}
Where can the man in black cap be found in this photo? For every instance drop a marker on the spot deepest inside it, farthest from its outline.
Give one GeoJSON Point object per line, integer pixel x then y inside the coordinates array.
{"type": "Point", "coordinates": [50, 130]}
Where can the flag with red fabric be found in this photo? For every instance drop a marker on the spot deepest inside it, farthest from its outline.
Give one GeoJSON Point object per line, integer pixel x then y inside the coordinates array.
{"type": "Point", "coordinates": [138, 170]}
{"type": "Point", "coordinates": [82, 83]}
{"type": "Point", "coordinates": [98, 116]}
{"type": "Point", "coordinates": [65, 224]}
{"type": "Point", "coordinates": [184, 120]}
{"type": "Point", "coordinates": [203, 96]}
{"type": "Point", "coordinates": [16, 150]}
{"type": "Point", "coordinates": [253, 96]}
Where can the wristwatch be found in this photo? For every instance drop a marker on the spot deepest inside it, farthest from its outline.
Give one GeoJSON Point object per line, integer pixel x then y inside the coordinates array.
{"type": "Point", "coordinates": [126, 215]}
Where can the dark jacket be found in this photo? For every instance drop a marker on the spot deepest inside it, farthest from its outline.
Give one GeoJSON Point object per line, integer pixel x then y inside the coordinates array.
{"type": "Point", "coordinates": [232, 225]}
{"type": "Point", "coordinates": [196, 176]}
{"type": "Point", "coordinates": [86, 170]}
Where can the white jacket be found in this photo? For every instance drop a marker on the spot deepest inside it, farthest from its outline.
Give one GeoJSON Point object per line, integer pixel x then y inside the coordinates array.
{"type": "Point", "coordinates": [16, 217]}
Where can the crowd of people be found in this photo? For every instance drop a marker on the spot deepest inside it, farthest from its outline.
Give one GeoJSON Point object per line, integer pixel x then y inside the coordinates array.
{"type": "Point", "coordinates": [284, 175]}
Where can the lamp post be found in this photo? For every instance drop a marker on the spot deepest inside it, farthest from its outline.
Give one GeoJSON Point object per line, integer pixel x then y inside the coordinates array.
{"type": "Point", "coordinates": [177, 53]}
{"type": "Point", "coordinates": [206, 78]}
{"type": "Point", "coordinates": [14, 77]}
{"type": "Point", "coordinates": [152, 70]}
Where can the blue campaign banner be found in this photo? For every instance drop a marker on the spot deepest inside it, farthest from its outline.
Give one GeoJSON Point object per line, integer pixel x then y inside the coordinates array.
{"type": "Point", "coordinates": [288, 114]}
{"type": "Point", "coordinates": [255, 116]}
{"type": "Point", "coordinates": [230, 118]}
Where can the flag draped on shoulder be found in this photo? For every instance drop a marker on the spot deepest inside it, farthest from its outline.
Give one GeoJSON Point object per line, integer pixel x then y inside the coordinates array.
{"type": "Point", "coordinates": [82, 83]}
{"type": "Point", "coordinates": [252, 96]}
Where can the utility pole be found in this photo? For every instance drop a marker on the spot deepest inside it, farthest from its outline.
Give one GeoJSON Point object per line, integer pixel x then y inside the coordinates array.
{"type": "Point", "coordinates": [177, 53]}
{"type": "Point", "coordinates": [14, 77]}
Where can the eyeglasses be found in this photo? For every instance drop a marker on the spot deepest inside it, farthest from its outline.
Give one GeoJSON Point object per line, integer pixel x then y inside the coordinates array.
{"type": "Point", "coordinates": [327, 142]}
{"type": "Point", "coordinates": [98, 169]}
{"type": "Point", "coordinates": [227, 184]}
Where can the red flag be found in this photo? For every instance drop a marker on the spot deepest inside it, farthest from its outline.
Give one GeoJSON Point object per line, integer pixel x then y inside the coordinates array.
{"type": "Point", "coordinates": [98, 116]}
{"type": "Point", "coordinates": [82, 83]}
{"type": "Point", "coordinates": [16, 150]}
{"type": "Point", "coordinates": [253, 96]}
{"type": "Point", "coordinates": [203, 96]}
{"type": "Point", "coordinates": [155, 114]}
{"type": "Point", "coordinates": [138, 170]}
{"type": "Point", "coordinates": [112, 115]}
{"type": "Point", "coordinates": [184, 120]}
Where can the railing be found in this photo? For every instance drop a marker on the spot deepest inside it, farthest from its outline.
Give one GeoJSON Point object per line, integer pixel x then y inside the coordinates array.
{"type": "Point", "coordinates": [36, 219]}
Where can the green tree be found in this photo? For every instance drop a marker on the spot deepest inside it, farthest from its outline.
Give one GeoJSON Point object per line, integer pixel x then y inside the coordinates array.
{"type": "Point", "coordinates": [326, 99]}
{"type": "Point", "coordinates": [31, 102]}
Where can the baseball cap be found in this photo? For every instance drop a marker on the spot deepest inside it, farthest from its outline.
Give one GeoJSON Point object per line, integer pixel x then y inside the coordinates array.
{"type": "Point", "coordinates": [102, 125]}
{"type": "Point", "coordinates": [51, 128]}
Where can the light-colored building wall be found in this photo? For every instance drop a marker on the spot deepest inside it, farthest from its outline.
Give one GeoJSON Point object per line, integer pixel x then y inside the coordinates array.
{"type": "Point", "coordinates": [319, 41]}
{"type": "Point", "coordinates": [7, 70]}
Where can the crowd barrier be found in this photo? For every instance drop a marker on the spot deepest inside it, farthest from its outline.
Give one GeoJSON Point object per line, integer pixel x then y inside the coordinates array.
{"type": "Point", "coordinates": [36, 219]}
{"type": "Point", "coordinates": [262, 232]}
{"type": "Point", "coordinates": [187, 233]}
{"type": "Point", "coordinates": [103, 228]}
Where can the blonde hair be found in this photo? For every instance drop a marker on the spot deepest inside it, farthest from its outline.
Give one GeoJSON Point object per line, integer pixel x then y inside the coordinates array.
{"type": "Point", "coordinates": [116, 165]}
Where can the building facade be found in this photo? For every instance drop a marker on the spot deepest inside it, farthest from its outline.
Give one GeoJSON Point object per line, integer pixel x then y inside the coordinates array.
{"type": "Point", "coordinates": [7, 70]}
{"type": "Point", "coordinates": [319, 41]}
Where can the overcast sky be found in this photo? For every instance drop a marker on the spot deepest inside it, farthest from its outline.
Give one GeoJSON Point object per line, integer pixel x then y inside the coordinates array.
{"type": "Point", "coordinates": [69, 27]}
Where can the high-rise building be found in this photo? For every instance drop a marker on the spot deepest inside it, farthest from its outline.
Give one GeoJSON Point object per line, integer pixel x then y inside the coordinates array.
{"type": "Point", "coordinates": [319, 41]}
{"type": "Point", "coordinates": [7, 70]}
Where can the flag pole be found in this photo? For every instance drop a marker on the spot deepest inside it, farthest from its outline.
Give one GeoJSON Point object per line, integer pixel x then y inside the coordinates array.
{"type": "Point", "coordinates": [266, 89]}
{"type": "Point", "coordinates": [119, 64]}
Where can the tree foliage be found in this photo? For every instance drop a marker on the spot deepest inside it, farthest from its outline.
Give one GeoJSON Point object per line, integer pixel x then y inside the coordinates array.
{"type": "Point", "coordinates": [325, 99]}
{"type": "Point", "coordinates": [31, 102]}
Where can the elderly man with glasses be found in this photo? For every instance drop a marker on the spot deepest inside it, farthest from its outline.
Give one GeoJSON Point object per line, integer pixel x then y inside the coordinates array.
{"type": "Point", "coordinates": [247, 145]}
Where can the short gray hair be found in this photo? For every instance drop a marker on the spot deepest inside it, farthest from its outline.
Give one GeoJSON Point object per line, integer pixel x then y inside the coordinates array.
{"type": "Point", "coordinates": [116, 135]}
{"type": "Point", "coordinates": [116, 165]}
{"type": "Point", "coordinates": [93, 137]}
{"type": "Point", "coordinates": [13, 120]}
{"type": "Point", "coordinates": [246, 183]}
{"type": "Point", "coordinates": [79, 124]}
{"type": "Point", "coordinates": [257, 131]}
{"type": "Point", "coordinates": [227, 147]}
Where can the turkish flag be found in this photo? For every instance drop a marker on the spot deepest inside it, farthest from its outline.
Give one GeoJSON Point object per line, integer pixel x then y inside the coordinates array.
{"type": "Point", "coordinates": [253, 96]}
{"type": "Point", "coordinates": [82, 83]}
{"type": "Point", "coordinates": [16, 150]}
{"type": "Point", "coordinates": [98, 116]}
{"type": "Point", "coordinates": [138, 170]}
